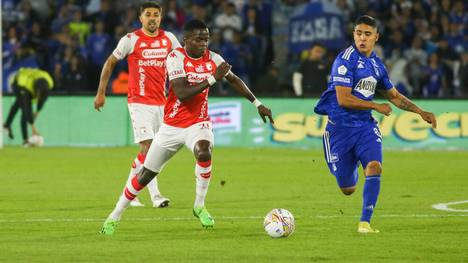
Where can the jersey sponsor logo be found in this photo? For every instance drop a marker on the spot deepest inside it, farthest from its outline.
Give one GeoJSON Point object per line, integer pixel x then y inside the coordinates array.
{"type": "Point", "coordinates": [341, 79]}
{"type": "Point", "coordinates": [175, 109]}
{"type": "Point", "coordinates": [176, 73]}
{"type": "Point", "coordinates": [366, 86]}
{"type": "Point", "coordinates": [154, 53]}
{"type": "Point", "coordinates": [155, 44]}
{"type": "Point", "coordinates": [197, 77]}
{"type": "Point", "coordinates": [342, 70]}
{"type": "Point", "coordinates": [151, 63]}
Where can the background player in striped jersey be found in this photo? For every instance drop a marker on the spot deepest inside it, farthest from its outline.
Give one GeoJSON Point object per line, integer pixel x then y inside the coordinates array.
{"type": "Point", "coordinates": [146, 50]}
{"type": "Point", "coordinates": [352, 136]}
{"type": "Point", "coordinates": [192, 71]}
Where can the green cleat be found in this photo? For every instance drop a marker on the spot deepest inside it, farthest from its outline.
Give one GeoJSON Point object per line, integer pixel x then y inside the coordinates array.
{"type": "Point", "coordinates": [109, 226]}
{"type": "Point", "coordinates": [205, 217]}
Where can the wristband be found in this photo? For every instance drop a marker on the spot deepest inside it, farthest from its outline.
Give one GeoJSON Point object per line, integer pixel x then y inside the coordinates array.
{"type": "Point", "coordinates": [211, 80]}
{"type": "Point", "coordinates": [257, 103]}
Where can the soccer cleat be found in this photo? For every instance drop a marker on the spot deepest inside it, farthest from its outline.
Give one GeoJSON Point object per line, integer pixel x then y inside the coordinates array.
{"type": "Point", "coordinates": [364, 228]}
{"type": "Point", "coordinates": [9, 132]}
{"type": "Point", "coordinates": [109, 226]}
{"type": "Point", "coordinates": [205, 217]}
{"type": "Point", "coordinates": [136, 203]}
{"type": "Point", "coordinates": [160, 201]}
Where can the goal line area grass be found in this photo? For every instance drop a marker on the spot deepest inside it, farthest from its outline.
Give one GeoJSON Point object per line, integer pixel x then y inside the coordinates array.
{"type": "Point", "coordinates": [53, 202]}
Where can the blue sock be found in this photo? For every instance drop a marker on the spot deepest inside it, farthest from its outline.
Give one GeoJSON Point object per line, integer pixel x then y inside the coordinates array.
{"type": "Point", "coordinates": [371, 192]}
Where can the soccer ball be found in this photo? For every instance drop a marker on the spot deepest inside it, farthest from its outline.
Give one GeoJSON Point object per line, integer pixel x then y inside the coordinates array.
{"type": "Point", "coordinates": [36, 140]}
{"type": "Point", "coordinates": [279, 223]}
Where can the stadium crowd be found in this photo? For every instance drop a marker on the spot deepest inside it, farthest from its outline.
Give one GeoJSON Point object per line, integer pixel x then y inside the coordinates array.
{"type": "Point", "coordinates": [424, 43]}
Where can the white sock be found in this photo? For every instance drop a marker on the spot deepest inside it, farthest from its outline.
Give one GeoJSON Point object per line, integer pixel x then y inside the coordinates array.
{"type": "Point", "coordinates": [203, 177]}
{"type": "Point", "coordinates": [131, 190]}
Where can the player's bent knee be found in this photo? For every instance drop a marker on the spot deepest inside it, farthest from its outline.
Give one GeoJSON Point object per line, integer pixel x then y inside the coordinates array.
{"type": "Point", "coordinates": [373, 168]}
{"type": "Point", "coordinates": [348, 190]}
{"type": "Point", "coordinates": [203, 151]}
{"type": "Point", "coordinates": [204, 156]}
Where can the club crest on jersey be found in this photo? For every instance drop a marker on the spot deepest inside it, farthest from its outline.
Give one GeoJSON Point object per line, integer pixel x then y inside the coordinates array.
{"type": "Point", "coordinates": [164, 42]}
{"type": "Point", "coordinates": [208, 66]}
{"type": "Point", "coordinates": [366, 86]}
{"type": "Point", "coordinates": [200, 69]}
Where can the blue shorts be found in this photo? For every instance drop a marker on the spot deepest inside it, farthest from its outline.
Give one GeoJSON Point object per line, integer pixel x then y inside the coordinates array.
{"type": "Point", "coordinates": [346, 147]}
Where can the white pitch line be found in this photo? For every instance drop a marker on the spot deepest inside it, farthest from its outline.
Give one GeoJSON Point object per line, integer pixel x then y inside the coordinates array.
{"type": "Point", "coordinates": [223, 218]}
{"type": "Point", "coordinates": [445, 206]}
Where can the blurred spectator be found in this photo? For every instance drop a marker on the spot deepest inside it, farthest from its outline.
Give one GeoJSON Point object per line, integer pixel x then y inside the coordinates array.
{"type": "Point", "coordinates": [75, 76]}
{"type": "Point", "coordinates": [239, 56]}
{"type": "Point", "coordinates": [269, 83]}
{"type": "Point", "coordinates": [228, 21]}
{"type": "Point", "coordinates": [174, 18]}
{"type": "Point", "coordinates": [436, 83]}
{"type": "Point", "coordinates": [464, 76]}
{"type": "Point", "coordinates": [311, 77]}
{"type": "Point", "coordinates": [417, 61]}
{"type": "Point", "coordinates": [99, 46]}
{"type": "Point", "coordinates": [78, 27]}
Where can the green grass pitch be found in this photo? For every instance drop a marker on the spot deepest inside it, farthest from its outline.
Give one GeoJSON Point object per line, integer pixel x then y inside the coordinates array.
{"type": "Point", "coordinates": [54, 200]}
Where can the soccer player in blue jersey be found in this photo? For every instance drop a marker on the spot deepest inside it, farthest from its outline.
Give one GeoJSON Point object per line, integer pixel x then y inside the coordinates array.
{"type": "Point", "coordinates": [352, 135]}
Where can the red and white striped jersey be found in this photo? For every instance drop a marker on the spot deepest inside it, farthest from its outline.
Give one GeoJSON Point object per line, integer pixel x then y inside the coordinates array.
{"type": "Point", "coordinates": [195, 109]}
{"type": "Point", "coordinates": [146, 58]}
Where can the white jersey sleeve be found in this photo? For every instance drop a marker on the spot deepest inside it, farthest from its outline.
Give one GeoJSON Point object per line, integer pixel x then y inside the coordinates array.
{"type": "Point", "coordinates": [125, 46]}
{"type": "Point", "coordinates": [217, 59]}
{"type": "Point", "coordinates": [175, 65]}
{"type": "Point", "coordinates": [174, 41]}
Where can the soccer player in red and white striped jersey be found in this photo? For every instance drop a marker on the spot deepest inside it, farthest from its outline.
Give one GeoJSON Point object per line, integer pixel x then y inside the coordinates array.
{"type": "Point", "coordinates": [192, 71]}
{"type": "Point", "coordinates": [146, 50]}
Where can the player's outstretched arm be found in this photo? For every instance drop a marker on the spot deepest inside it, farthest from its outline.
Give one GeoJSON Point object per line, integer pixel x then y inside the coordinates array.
{"type": "Point", "coordinates": [106, 72]}
{"type": "Point", "coordinates": [348, 100]}
{"type": "Point", "coordinates": [243, 90]}
{"type": "Point", "coordinates": [402, 102]}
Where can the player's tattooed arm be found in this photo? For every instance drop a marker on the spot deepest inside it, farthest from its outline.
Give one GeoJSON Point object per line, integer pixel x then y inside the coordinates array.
{"type": "Point", "coordinates": [402, 102]}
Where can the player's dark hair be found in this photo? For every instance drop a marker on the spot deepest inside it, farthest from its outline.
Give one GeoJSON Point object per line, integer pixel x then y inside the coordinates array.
{"type": "Point", "coordinates": [193, 25]}
{"type": "Point", "coordinates": [149, 5]}
{"type": "Point", "coordinates": [367, 20]}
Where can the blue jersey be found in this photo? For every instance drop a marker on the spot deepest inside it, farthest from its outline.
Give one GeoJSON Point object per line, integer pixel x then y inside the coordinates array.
{"type": "Point", "coordinates": [361, 74]}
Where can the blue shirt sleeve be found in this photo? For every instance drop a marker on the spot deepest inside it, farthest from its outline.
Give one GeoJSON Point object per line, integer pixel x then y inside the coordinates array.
{"type": "Point", "coordinates": [385, 82]}
{"type": "Point", "coordinates": [342, 73]}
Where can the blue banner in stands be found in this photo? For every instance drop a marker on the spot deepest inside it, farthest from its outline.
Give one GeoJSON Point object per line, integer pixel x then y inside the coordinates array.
{"type": "Point", "coordinates": [318, 21]}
